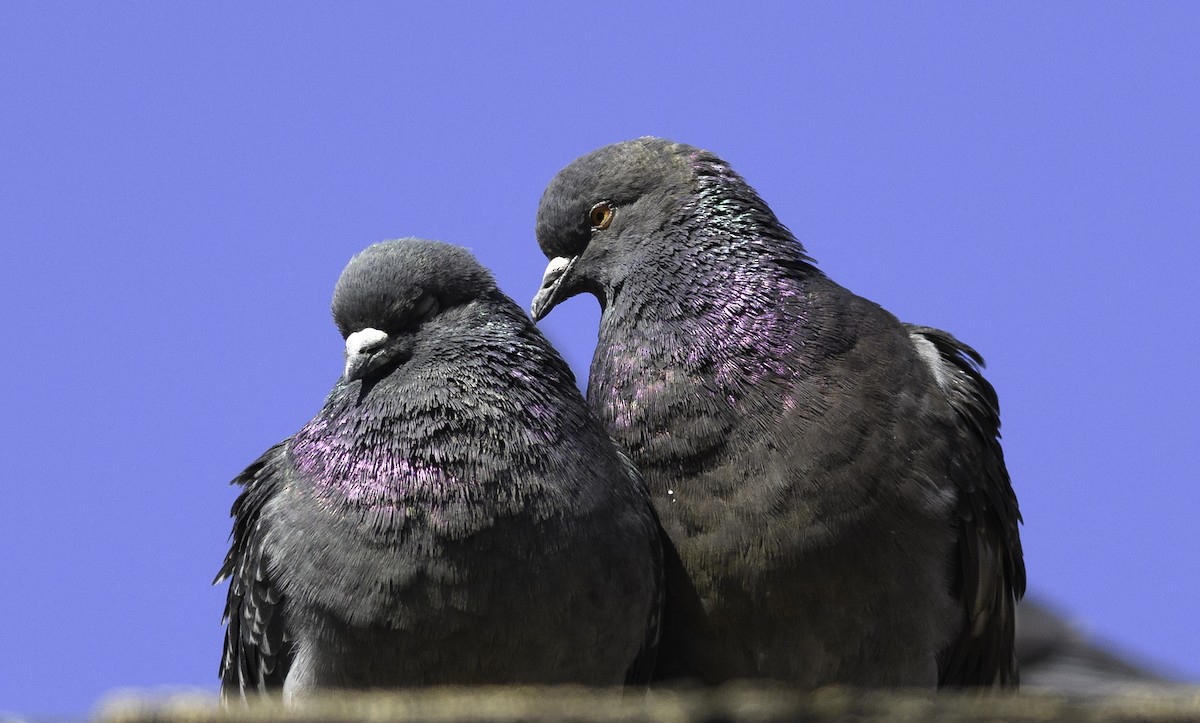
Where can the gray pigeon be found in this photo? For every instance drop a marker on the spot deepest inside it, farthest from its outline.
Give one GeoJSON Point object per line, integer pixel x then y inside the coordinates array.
{"type": "Point", "coordinates": [454, 514]}
{"type": "Point", "coordinates": [831, 479]}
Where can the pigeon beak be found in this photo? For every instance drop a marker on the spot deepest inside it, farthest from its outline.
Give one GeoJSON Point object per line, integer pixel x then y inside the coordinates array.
{"type": "Point", "coordinates": [360, 350]}
{"type": "Point", "coordinates": [552, 286]}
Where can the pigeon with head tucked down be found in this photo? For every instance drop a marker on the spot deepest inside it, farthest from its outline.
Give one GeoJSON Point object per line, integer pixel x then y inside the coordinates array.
{"type": "Point", "coordinates": [454, 514]}
{"type": "Point", "coordinates": [830, 478]}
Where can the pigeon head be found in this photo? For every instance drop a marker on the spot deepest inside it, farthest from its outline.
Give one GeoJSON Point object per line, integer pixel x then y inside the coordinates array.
{"type": "Point", "coordinates": [390, 290]}
{"type": "Point", "coordinates": [600, 211]}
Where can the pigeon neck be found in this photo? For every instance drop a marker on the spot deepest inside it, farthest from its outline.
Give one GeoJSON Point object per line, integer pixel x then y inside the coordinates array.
{"type": "Point", "coordinates": [714, 347]}
{"type": "Point", "coordinates": [419, 431]}
{"type": "Point", "coordinates": [704, 327]}
{"type": "Point", "coordinates": [724, 260]}
{"type": "Point", "coordinates": [328, 450]}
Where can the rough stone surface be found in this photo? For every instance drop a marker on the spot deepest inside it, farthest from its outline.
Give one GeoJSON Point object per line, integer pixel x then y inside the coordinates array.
{"type": "Point", "coordinates": [734, 702]}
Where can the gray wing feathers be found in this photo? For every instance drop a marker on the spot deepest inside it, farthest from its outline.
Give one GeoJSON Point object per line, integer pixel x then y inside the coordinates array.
{"type": "Point", "coordinates": [988, 572]}
{"type": "Point", "coordinates": [256, 654]}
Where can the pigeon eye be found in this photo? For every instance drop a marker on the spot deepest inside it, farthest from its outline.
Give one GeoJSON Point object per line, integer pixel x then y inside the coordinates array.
{"type": "Point", "coordinates": [425, 307]}
{"type": "Point", "coordinates": [601, 215]}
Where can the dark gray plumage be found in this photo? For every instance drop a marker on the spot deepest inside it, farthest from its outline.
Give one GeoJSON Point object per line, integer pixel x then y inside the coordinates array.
{"type": "Point", "coordinates": [454, 514]}
{"type": "Point", "coordinates": [831, 479]}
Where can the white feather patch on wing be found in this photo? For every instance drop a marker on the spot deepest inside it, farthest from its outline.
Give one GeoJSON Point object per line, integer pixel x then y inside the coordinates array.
{"type": "Point", "coordinates": [931, 356]}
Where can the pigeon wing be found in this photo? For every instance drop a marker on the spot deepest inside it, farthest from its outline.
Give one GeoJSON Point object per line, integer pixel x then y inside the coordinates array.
{"type": "Point", "coordinates": [988, 569]}
{"type": "Point", "coordinates": [257, 653]}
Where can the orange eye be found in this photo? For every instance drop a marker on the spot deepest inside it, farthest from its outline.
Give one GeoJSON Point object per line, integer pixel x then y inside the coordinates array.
{"type": "Point", "coordinates": [601, 215]}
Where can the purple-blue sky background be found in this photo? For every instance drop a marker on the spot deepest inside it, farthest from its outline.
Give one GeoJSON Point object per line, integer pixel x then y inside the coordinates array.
{"type": "Point", "coordinates": [181, 184]}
